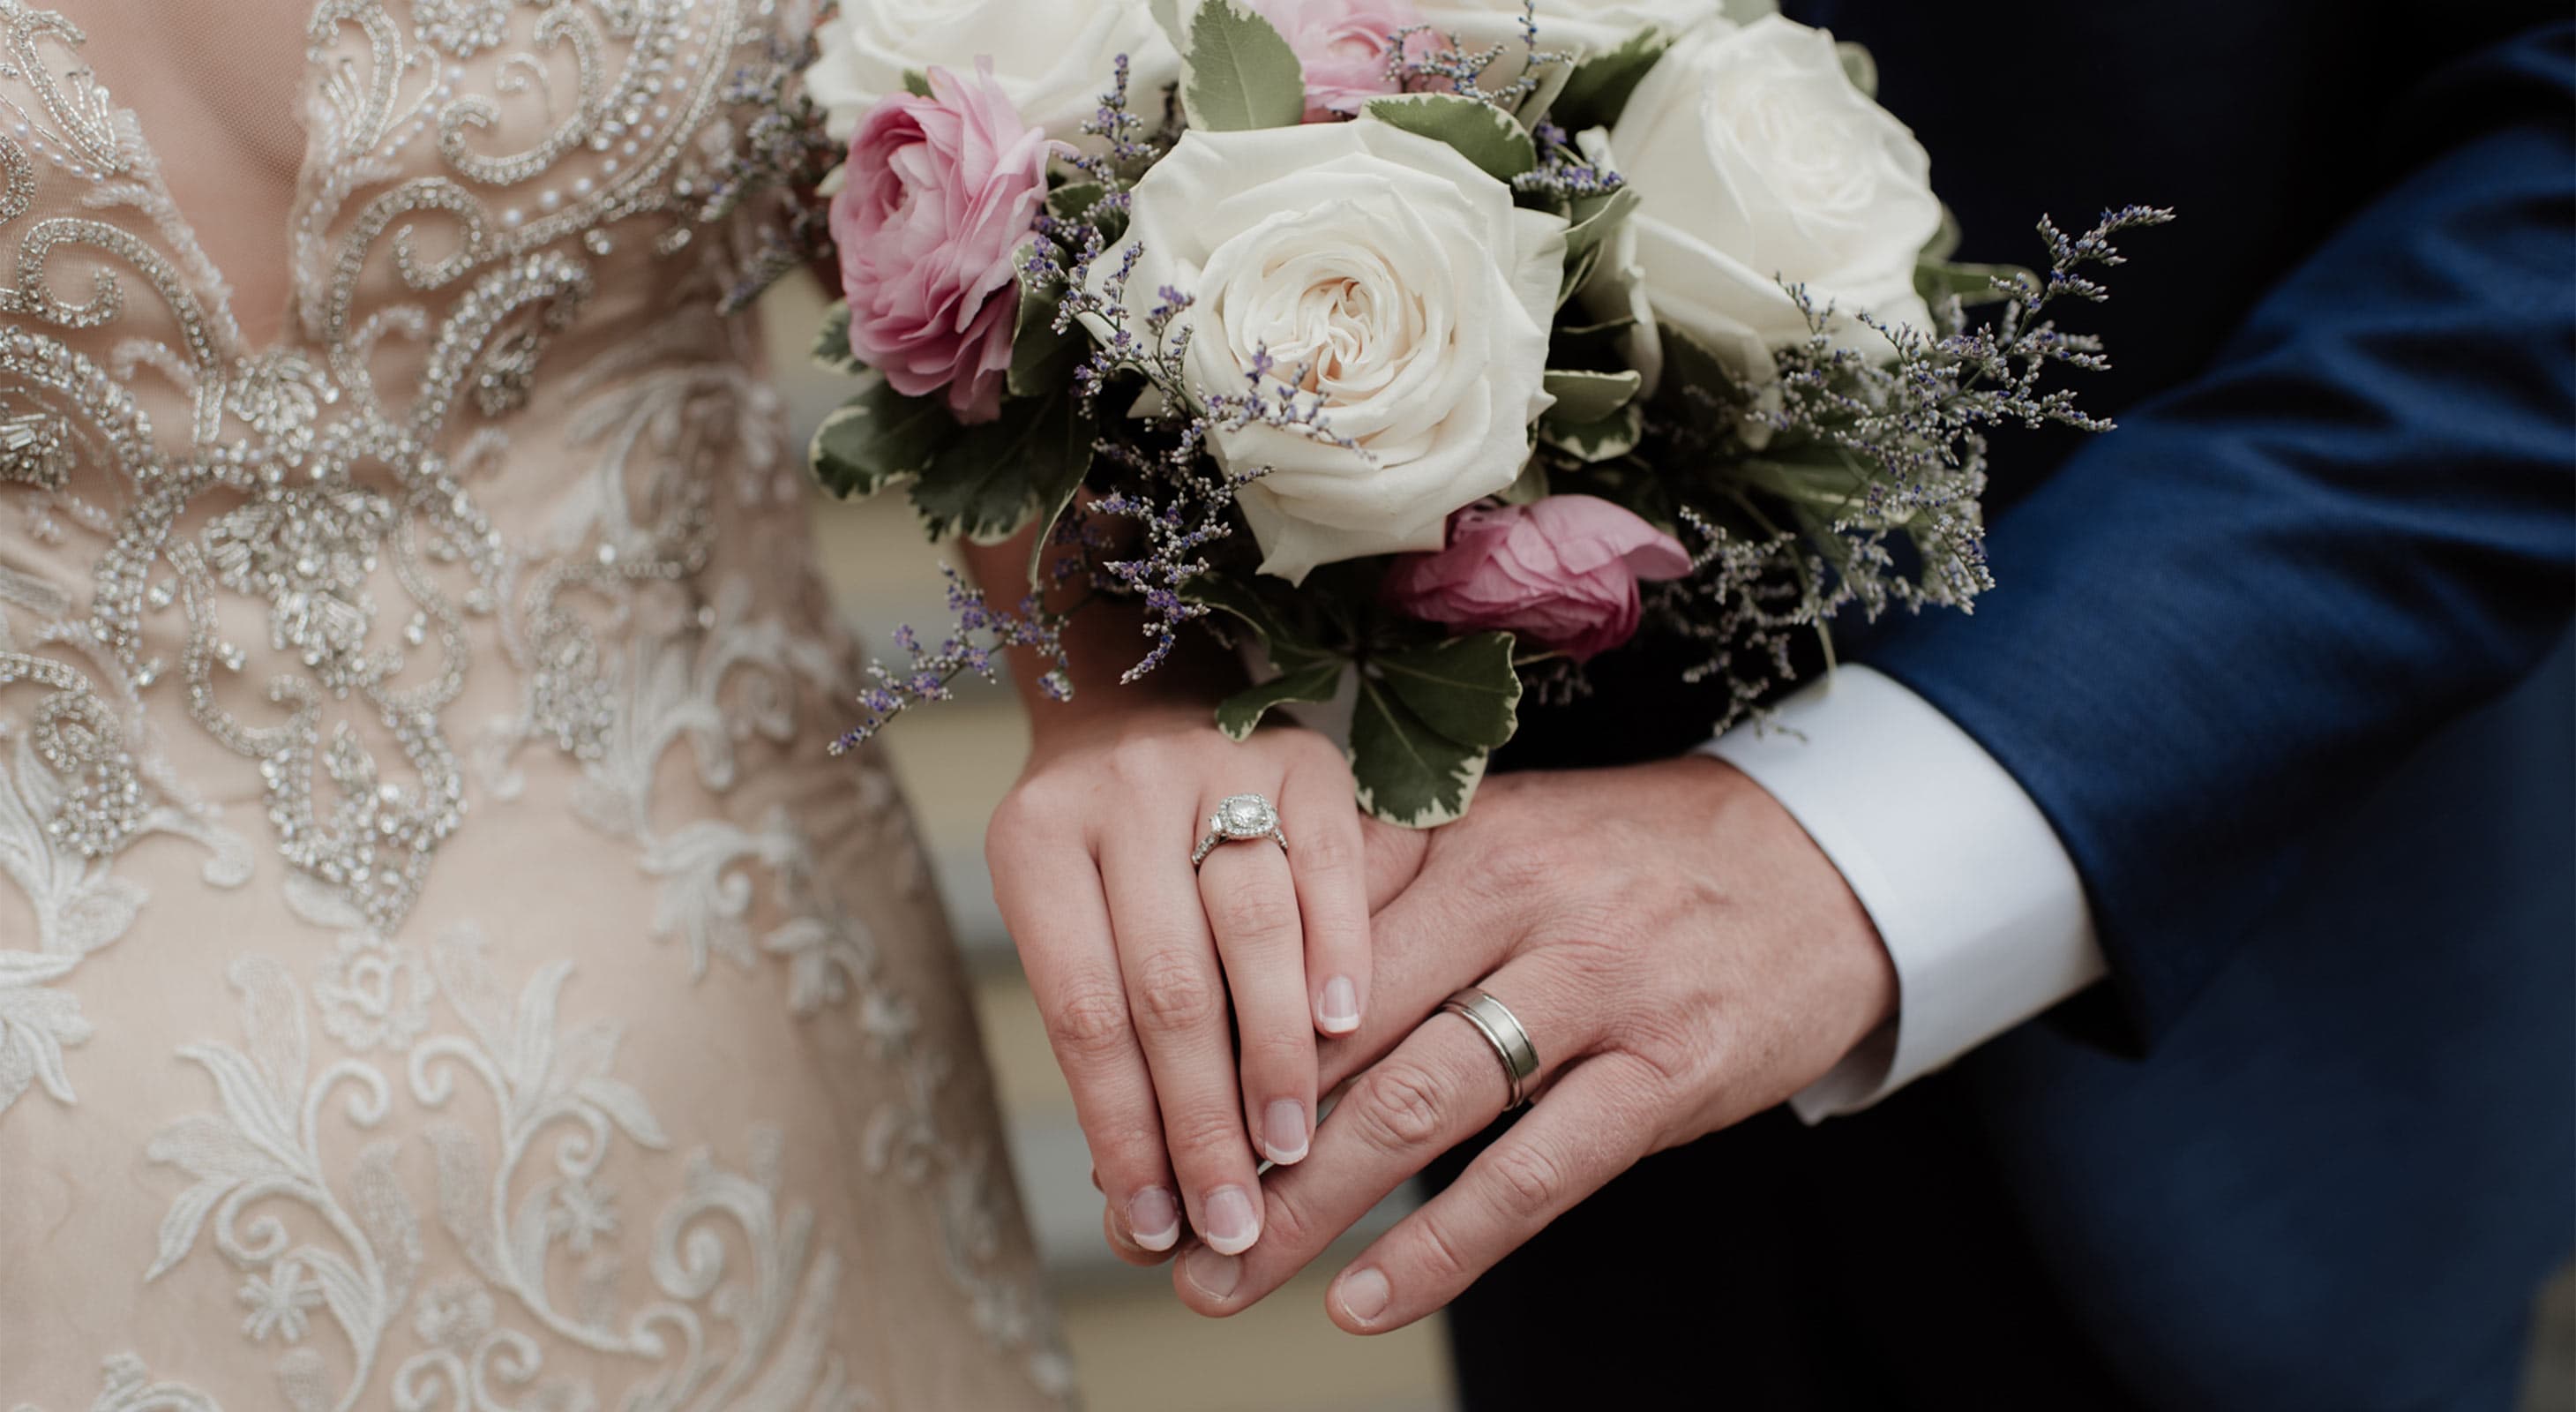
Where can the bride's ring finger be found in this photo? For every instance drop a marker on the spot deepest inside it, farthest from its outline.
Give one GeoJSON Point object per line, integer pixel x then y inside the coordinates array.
{"type": "Point", "coordinates": [1251, 901]}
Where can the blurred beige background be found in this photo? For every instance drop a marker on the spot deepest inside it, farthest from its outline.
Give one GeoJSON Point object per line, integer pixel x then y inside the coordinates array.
{"type": "Point", "coordinates": [1136, 1349]}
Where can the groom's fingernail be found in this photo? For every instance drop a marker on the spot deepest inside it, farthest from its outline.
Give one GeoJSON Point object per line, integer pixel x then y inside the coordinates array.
{"type": "Point", "coordinates": [1339, 1010]}
{"type": "Point", "coordinates": [1283, 1132]}
{"type": "Point", "coordinates": [1364, 1295]}
{"type": "Point", "coordinates": [1154, 1220]}
{"type": "Point", "coordinates": [1215, 1275]}
{"type": "Point", "coordinates": [1231, 1225]}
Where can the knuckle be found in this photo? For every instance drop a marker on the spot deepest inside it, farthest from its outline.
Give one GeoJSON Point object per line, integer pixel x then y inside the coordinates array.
{"type": "Point", "coordinates": [1088, 1021]}
{"type": "Point", "coordinates": [1330, 850]}
{"type": "Point", "coordinates": [1398, 1108]}
{"type": "Point", "coordinates": [1436, 1253]}
{"type": "Point", "coordinates": [1204, 1134]}
{"type": "Point", "coordinates": [1268, 1050]}
{"type": "Point", "coordinates": [1174, 992]}
{"type": "Point", "coordinates": [1255, 909]}
{"type": "Point", "coordinates": [1127, 1149]}
{"type": "Point", "coordinates": [1528, 1183]}
{"type": "Point", "coordinates": [1671, 1052]}
{"type": "Point", "coordinates": [1286, 1224]}
{"type": "Point", "coordinates": [1141, 760]}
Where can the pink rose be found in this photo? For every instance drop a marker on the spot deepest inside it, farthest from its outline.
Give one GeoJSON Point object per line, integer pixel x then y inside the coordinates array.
{"type": "Point", "coordinates": [1562, 573]}
{"type": "Point", "coordinates": [1342, 44]}
{"type": "Point", "coordinates": [940, 194]}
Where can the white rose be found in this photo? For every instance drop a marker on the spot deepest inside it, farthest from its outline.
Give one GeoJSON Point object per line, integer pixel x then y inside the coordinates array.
{"type": "Point", "coordinates": [1404, 280]}
{"type": "Point", "coordinates": [1054, 57]}
{"type": "Point", "coordinates": [1757, 162]}
{"type": "Point", "coordinates": [1592, 26]}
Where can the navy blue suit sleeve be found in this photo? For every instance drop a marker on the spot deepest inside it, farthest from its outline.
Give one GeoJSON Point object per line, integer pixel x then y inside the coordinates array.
{"type": "Point", "coordinates": [2219, 625]}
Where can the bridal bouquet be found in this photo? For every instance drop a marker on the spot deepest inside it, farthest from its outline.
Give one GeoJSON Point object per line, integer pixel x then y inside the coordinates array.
{"type": "Point", "coordinates": [1423, 354]}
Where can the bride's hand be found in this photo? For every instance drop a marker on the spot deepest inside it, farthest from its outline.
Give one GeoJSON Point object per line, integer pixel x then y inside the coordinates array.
{"type": "Point", "coordinates": [1133, 960]}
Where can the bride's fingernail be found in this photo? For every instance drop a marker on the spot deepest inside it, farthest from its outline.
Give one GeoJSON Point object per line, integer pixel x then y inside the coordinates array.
{"type": "Point", "coordinates": [1154, 1220]}
{"type": "Point", "coordinates": [1231, 1225]}
{"type": "Point", "coordinates": [1364, 1295]}
{"type": "Point", "coordinates": [1215, 1275]}
{"type": "Point", "coordinates": [1283, 1132]}
{"type": "Point", "coordinates": [1339, 1011]}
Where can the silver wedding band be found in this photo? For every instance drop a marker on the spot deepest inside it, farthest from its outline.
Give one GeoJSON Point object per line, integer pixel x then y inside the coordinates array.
{"type": "Point", "coordinates": [1501, 1029]}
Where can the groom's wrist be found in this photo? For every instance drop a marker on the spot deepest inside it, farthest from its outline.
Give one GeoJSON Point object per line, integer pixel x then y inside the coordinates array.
{"type": "Point", "coordinates": [1981, 910]}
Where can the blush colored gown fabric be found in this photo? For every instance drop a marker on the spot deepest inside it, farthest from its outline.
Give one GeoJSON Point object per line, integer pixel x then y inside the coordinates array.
{"type": "Point", "coordinates": [440, 967]}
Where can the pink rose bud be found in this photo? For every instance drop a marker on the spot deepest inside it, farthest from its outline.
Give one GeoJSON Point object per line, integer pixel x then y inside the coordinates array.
{"type": "Point", "coordinates": [1562, 573]}
{"type": "Point", "coordinates": [1342, 44]}
{"type": "Point", "coordinates": [939, 196]}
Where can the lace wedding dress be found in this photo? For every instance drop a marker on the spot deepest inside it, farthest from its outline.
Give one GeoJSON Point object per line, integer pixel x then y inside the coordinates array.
{"type": "Point", "coordinates": [439, 965]}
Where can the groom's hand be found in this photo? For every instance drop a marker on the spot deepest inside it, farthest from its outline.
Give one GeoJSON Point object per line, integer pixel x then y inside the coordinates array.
{"type": "Point", "coordinates": [1682, 956]}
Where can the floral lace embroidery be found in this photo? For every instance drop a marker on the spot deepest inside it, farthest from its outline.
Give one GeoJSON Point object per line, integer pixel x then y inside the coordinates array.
{"type": "Point", "coordinates": [349, 512]}
{"type": "Point", "coordinates": [350, 1251]}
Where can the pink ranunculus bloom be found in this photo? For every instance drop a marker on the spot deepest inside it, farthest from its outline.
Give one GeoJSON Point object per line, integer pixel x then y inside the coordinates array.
{"type": "Point", "coordinates": [1342, 45]}
{"type": "Point", "coordinates": [939, 197]}
{"type": "Point", "coordinates": [1562, 573]}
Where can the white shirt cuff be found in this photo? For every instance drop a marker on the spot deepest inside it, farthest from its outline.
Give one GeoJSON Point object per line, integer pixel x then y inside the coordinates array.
{"type": "Point", "coordinates": [1979, 906]}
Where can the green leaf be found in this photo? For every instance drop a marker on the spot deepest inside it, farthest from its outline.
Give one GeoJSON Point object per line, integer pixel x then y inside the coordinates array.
{"type": "Point", "coordinates": [1937, 280]}
{"type": "Point", "coordinates": [1055, 498]}
{"type": "Point", "coordinates": [1859, 67]}
{"type": "Point", "coordinates": [1409, 773]}
{"type": "Point", "coordinates": [1481, 132]}
{"type": "Point", "coordinates": [1588, 397]}
{"type": "Point", "coordinates": [1238, 715]}
{"type": "Point", "coordinates": [916, 83]}
{"type": "Point", "coordinates": [832, 342]}
{"type": "Point", "coordinates": [1041, 358]}
{"type": "Point", "coordinates": [1552, 80]}
{"type": "Point", "coordinates": [995, 477]}
{"type": "Point", "coordinates": [1603, 439]}
{"type": "Point", "coordinates": [1244, 603]}
{"type": "Point", "coordinates": [877, 438]}
{"type": "Point", "coordinates": [1578, 273]}
{"type": "Point", "coordinates": [1462, 687]}
{"type": "Point", "coordinates": [1599, 90]}
{"type": "Point", "coordinates": [1069, 201]}
{"type": "Point", "coordinates": [1531, 486]}
{"type": "Point", "coordinates": [1242, 74]}
{"type": "Point", "coordinates": [1597, 218]}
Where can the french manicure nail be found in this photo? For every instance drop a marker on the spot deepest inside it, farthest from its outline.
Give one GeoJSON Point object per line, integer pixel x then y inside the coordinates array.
{"type": "Point", "coordinates": [1154, 1220]}
{"type": "Point", "coordinates": [1216, 1275]}
{"type": "Point", "coordinates": [1339, 1011]}
{"type": "Point", "coordinates": [1231, 1225]}
{"type": "Point", "coordinates": [1283, 1131]}
{"type": "Point", "coordinates": [1364, 1295]}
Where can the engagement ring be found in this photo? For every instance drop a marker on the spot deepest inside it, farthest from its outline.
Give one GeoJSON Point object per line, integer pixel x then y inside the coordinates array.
{"type": "Point", "coordinates": [1239, 818]}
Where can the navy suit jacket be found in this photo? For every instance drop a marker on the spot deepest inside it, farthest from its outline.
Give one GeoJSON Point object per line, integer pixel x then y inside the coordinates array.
{"type": "Point", "coordinates": [2283, 662]}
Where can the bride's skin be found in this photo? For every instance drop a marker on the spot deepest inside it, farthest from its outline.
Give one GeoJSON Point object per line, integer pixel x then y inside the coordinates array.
{"type": "Point", "coordinates": [222, 147]}
{"type": "Point", "coordinates": [1133, 961]}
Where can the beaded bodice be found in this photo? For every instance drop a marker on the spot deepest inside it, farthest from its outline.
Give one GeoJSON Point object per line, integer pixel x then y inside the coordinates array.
{"type": "Point", "coordinates": [397, 710]}
{"type": "Point", "coordinates": [338, 486]}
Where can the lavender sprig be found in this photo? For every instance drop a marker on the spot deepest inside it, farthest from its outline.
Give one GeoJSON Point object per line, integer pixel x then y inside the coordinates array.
{"type": "Point", "coordinates": [1855, 454]}
{"type": "Point", "coordinates": [983, 634]}
{"type": "Point", "coordinates": [784, 151]}
{"type": "Point", "coordinates": [1443, 63]}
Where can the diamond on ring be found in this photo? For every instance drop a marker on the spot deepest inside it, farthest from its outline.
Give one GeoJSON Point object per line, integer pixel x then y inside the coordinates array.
{"type": "Point", "coordinates": [1240, 817]}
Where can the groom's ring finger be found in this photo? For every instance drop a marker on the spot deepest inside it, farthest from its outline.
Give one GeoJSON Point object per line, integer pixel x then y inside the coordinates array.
{"type": "Point", "coordinates": [1439, 1087]}
{"type": "Point", "coordinates": [1251, 904]}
